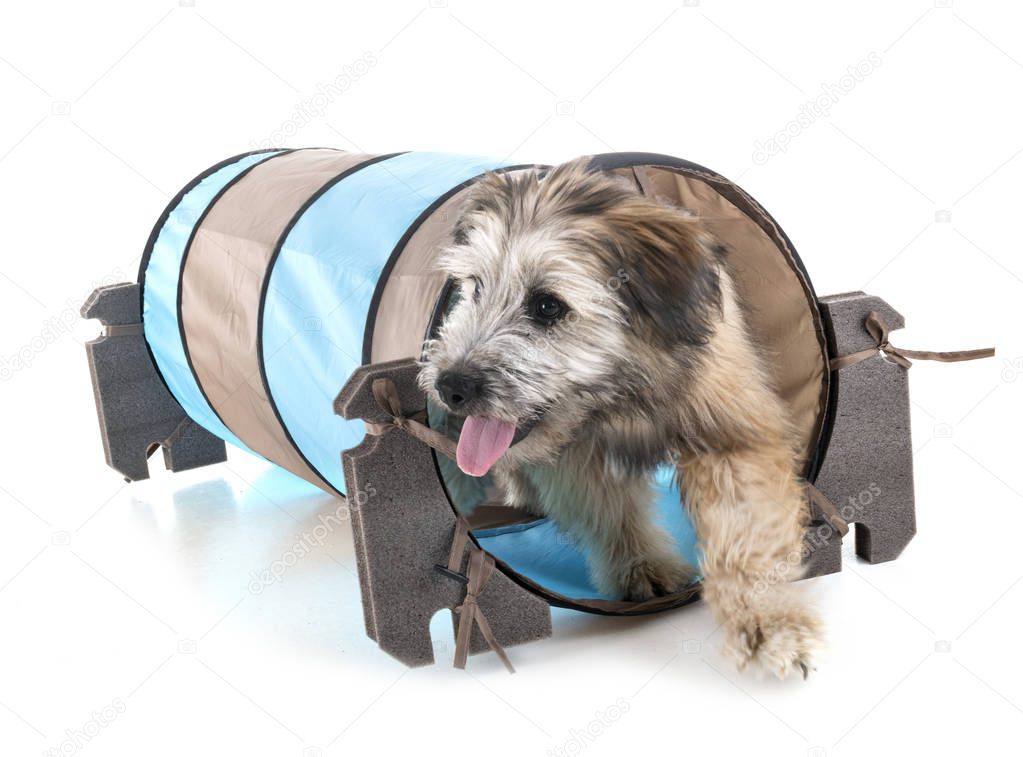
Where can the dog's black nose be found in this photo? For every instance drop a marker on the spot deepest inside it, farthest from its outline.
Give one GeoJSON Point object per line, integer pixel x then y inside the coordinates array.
{"type": "Point", "coordinates": [457, 389]}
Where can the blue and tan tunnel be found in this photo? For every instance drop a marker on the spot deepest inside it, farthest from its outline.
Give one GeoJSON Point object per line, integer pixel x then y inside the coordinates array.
{"type": "Point", "coordinates": [274, 274]}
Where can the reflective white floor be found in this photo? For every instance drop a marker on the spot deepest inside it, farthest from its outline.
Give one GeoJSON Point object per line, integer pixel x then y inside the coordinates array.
{"type": "Point", "coordinates": [140, 618]}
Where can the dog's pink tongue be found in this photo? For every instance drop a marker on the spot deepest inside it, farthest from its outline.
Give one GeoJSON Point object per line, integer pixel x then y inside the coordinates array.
{"type": "Point", "coordinates": [482, 442]}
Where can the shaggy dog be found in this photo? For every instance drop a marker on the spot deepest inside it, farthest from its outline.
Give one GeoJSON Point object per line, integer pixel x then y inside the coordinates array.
{"type": "Point", "coordinates": [596, 335]}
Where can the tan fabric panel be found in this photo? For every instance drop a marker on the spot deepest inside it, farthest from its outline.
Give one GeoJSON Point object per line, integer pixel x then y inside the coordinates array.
{"type": "Point", "coordinates": [410, 293]}
{"type": "Point", "coordinates": [221, 285]}
{"type": "Point", "coordinates": [781, 319]}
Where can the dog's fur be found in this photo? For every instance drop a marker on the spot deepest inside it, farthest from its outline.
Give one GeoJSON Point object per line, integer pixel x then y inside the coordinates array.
{"type": "Point", "coordinates": [650, 362]}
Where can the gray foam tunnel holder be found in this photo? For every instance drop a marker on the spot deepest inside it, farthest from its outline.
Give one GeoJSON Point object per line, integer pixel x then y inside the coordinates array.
{"type": "Point", "coordinates": [403, 525]}
{"type": "Point", "coordinates": [868, 470]}
{"type": "Point", "coordinates": [401, 517]}
{"type": "Point", "coordinates": [136, 412]}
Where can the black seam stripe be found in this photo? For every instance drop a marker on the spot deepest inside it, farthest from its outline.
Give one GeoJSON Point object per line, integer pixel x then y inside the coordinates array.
{"type": "Point", "coordinates": [266, 288]}
{"type": "Point", "coordinates": [155, 233]}
{"type": "Point", "coordinates": [147, 253]}
{"type": "Point", "coordinates": [181, 278]}
{"type": "Point", "coordinates": [399, 248]}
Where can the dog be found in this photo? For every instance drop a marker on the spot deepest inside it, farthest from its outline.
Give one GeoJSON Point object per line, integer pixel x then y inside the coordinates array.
{"type": "Point", "coordinates": [597, 334]}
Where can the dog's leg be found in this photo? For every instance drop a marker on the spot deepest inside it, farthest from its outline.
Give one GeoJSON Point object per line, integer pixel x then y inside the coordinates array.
{"type": "Point", "coordinates": [738, 475]}
{"type": "Point", "coordinates": [630, 556]}
{"type": "Point", "coordinates": [750, 517]}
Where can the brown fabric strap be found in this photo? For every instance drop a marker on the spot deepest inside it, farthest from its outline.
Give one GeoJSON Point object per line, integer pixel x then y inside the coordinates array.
{"type": "Point", "coordinates": [122, 329]}
{"type": "Point", "coordinates": [458, 542]}
{"type": "Point", "coordinates": [879, 330]}
{"type": "Point", "coordinates": [481, 564]}
{"type": "Point", "coordinates": [386, 395]}
{"type": "Point", "coordinates": [481, 567]}
{"type": "Point", "coordinates": [827, 509]}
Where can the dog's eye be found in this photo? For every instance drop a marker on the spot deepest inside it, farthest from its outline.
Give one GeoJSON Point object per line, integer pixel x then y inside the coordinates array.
{"type": "Point", "coordinates": [477, 285]}
{"type": "Point", "coordinates": [546, 308]}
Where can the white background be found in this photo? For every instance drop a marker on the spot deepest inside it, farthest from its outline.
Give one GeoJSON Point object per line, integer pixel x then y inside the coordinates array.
{"type": "Point", "coordinates": [135, 597]}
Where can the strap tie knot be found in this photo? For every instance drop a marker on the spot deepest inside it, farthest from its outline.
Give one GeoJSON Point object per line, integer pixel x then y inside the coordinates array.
{"type": "Point", "coordinates": [413, 424]}
{"type": "Point", "coordinates": [469, 612]}
{"type": "Point", "coordinates": [878, 329]}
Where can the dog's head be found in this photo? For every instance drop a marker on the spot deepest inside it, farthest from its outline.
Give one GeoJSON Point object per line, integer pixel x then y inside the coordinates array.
{"type": "Point", "coordinates": [568, 285]}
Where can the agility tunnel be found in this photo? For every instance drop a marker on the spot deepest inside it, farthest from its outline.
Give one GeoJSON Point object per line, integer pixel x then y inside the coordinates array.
{"type": "Point", "coordinates": [281, 289]}
{"type": "Point", "coordinates": [275, 274]}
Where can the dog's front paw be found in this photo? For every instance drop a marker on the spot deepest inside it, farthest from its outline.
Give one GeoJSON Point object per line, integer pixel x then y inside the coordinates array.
{"type": "Point", "coordinates": [779, 636]}
{"type": "Point", "coordinates": [657, 577]}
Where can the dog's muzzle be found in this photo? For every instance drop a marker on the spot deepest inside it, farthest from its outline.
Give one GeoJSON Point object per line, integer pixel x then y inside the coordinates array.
{"type": "Point", "coordinates": [458, 389]}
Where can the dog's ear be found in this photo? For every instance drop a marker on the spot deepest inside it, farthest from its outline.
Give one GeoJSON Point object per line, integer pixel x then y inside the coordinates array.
{"type": "Point", "coordinates": [475, 201]}
{"type": "Point", "coordinates": [491, 194]}
{"type": "Point", "coordinates": [670, 273]}
{"type": "Point", "coordinates": [501, 194]}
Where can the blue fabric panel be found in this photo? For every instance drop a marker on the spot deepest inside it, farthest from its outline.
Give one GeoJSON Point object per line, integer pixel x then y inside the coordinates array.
{"type": "Point", "coordinates": [547, 555]}
{"type": "Point", "coordinates": [160, 296]}
{"type": "Point", "coordinates": [321, 285]}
